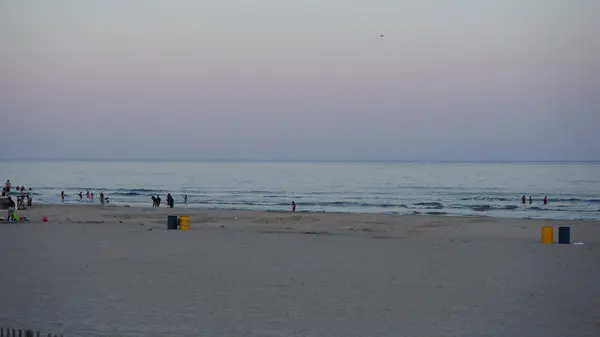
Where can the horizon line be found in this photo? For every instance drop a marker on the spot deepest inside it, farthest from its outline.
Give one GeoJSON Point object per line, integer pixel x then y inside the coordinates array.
{"type": "Point", "coordinates": [391, 161]}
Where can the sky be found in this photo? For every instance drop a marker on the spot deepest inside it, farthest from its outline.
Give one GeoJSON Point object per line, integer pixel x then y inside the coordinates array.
{"type": "Point", "coordinates": [300, 80]}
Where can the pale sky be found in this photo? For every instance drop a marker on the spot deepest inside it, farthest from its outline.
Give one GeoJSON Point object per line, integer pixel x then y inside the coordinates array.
{"type": "Point", "coordinates": [300, 80]}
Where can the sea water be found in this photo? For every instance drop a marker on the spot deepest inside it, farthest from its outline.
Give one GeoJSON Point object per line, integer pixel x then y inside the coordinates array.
{"type": "Point", "coordinates": [462, 189]}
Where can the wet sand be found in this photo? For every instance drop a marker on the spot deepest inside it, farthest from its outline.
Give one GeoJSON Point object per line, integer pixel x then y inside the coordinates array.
{"type": "Point", "coordinates": [117, 271]}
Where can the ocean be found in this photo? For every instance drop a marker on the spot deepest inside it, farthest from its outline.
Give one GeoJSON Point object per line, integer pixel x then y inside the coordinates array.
{"type": "Point", "coordinates": [458, 189]}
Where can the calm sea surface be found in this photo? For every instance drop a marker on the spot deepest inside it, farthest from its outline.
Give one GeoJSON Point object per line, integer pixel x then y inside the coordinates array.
{"type": "Point", "coordinates": [490, 189]}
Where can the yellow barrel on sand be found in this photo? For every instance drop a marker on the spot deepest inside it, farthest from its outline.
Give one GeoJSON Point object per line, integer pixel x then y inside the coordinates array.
{"type": "Point", "coordinates": [547, 234]}
{"type": "Point", "coordinates": [184, 223]}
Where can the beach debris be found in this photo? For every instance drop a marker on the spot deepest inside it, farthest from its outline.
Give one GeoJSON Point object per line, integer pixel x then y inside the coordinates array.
{"type": "Point", "coordinates": [149, 229]}
{"type": "Point", "coordinates": [579, 243]}
{"type": "Point", "coordinates": [236, 218]}
{"type": "Point", "coordinates": [44, 219]}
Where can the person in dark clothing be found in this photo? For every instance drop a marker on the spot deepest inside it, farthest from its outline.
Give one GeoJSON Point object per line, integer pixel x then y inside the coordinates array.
{"type": "Point", "coordinates": [101, 198]}
{"type": "Point", "coordinates": [157, 201]}
{"type": "Point", "coordinates": [170, 200]}
{"type": "Point", "coordinates": [11, 208]}
{"type": "Point", "coordinates": [153, 201]}
{"type": "Point", "coordinates": [530, 200]}
{"type": "Point", "coordinates": [546, 200]}
{"type": "Point", "coordinates": [523, 199]}
{"type": "Point", "coordinates": [293, 206]}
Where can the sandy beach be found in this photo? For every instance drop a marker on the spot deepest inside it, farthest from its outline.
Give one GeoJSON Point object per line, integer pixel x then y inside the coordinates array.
{"type": "Point", "coordinates": [117, 271]}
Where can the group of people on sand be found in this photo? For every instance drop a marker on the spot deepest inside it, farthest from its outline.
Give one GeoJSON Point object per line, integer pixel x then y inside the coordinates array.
{"type": "Point", "coordinates": [170, 201]}
{"type": "Point", "coordinates": [524, 200]}
{"type": "Point", "coordinates": [24, 194]}
{"type": "Point", "coordinates": [12, 206]}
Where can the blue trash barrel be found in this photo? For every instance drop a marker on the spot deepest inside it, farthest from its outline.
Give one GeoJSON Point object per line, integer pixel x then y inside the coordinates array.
{"type": "Point", "coordinates": [172, 222]}
{"type": "Point", "coordinates": [564, 235]}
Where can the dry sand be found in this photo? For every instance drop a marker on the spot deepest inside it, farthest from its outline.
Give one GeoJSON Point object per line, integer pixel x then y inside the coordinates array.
{"type": "Point", "coordinates": [94, 271]}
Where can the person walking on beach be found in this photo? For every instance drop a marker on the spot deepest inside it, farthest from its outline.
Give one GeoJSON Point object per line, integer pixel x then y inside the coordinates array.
{"type": "Point", "coordinates": [102, 198]}
{"type": "Point", "coordinates": [545, 200]}
{"type": "Point", "coordinates": [157, 201]}
{"type": "Point", "coordinates": [29, 197]}
{"type": "Point", "coordinates": [523, 199]}
{"type": "Point", "coordinates": [153, 202]}
{"type": "Point", "coordinates": [293, 206]}
{"type": "Point", "coordinates": [170, 201]}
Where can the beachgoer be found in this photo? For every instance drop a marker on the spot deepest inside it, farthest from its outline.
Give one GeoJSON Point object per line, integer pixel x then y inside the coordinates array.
{"type": "Point", "coordinates": [80, 196]}
{"type": "Point", "coordinates": [29, 197]}
{"type": "Point", "coordinates": [62, 196]}
{"type": "Point", "coordinates": [545, 200]}
{"type": "Point", "coordinates": [523, 199]}
{"type": "Point", "coordinates": [92, 195]}
{"type": "Point", "coordinates": [153, 201]}
{"type": "Point", "coordinates": [4, 191]}
{"type": "Point", "coordinates": [170, 202]}
{"type": "Point", "coordinates": [185, 198]}
{"type": "Point", "coordinates": [7, 186]}
{"type": "Point", "coordinates": [101, 198]}
{"type": "Point", "coordinates": [157, 201]}
{"type": "Point", "coordinates": [87, 195]}
{"type": "Point", "coordinates": [530, 200]}
{"type": "Point", "coordinates": [11, 208]}
{"type": "Point", "coordinates": [293, 206]}
{"type": "Point", "coordinates": [22, 193]}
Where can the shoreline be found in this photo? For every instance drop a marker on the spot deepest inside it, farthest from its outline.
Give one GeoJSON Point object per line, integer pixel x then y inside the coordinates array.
{"type": "Point", "coordinates": [377, 225]}
{"type": "Point", "coordinates": [199, 208]}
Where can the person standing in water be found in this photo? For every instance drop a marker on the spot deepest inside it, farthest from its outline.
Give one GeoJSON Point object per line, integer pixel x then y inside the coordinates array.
{"type": "Point", "coordinates": [523, 199]}
{"type": "Point", "coordinates": [530, 200]}
{"type": "Point", "coordinates": [185, 198]}
{"type": "Point", "coordinates": [157, 200]}
{"type": "Point", "coordinates": [293, 206]}
{"type": "Point", "coordinates": [545, 200]}
{"type": "Point", "coordinates": [62, 196]}
{"type": "Point", "coordinates": [102, 198]}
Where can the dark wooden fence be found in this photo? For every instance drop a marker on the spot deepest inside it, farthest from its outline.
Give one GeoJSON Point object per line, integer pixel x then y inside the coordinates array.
{"type": "Point", "coordinates": [4, 332]}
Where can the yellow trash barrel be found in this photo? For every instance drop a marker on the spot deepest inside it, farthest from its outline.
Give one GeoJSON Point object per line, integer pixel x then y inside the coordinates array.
{"type": "Point", "coordinates": [547, 234]}
{"type": "Point", "coordinates": [184, 223]}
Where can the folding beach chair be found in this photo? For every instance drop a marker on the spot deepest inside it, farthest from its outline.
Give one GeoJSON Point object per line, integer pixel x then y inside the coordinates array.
{"type": "Point", "coordinates": [20, 203]}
